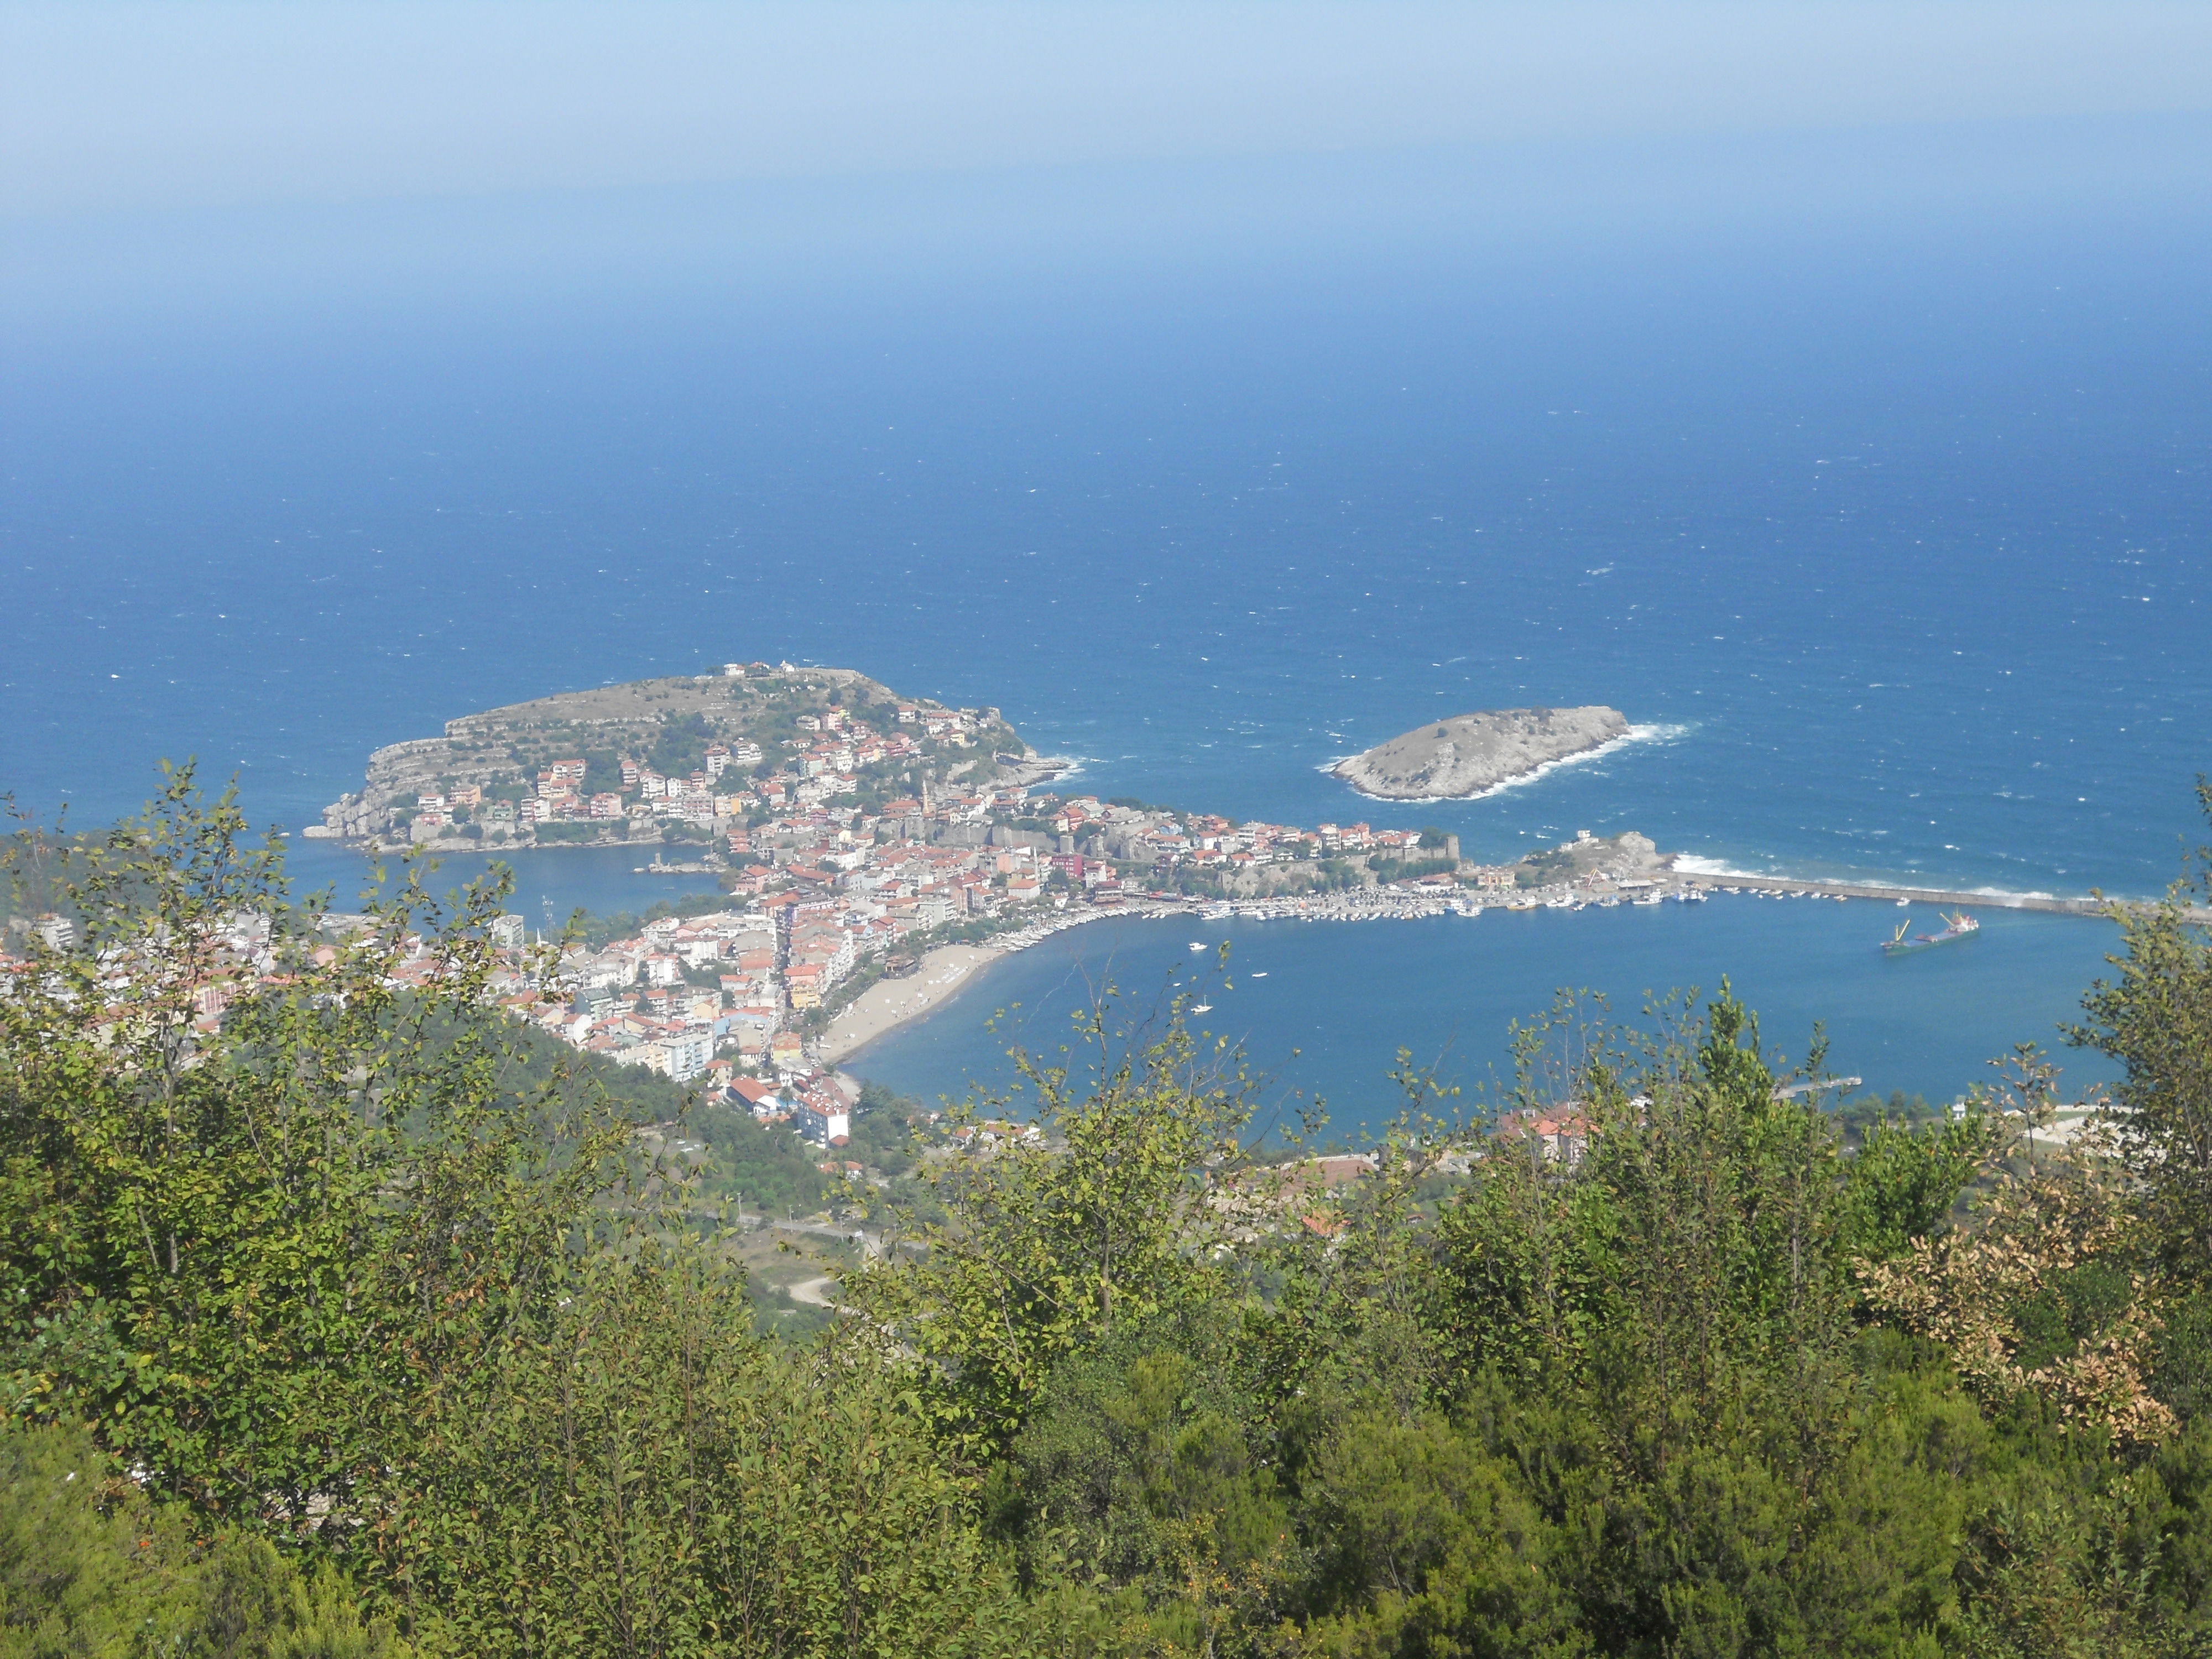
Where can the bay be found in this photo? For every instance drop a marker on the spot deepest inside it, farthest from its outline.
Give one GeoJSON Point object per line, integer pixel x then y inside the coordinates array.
{"type": "Point", "coordinates": [546, 887]}
{"type": "Point", "coordinates": [1321, 1010]}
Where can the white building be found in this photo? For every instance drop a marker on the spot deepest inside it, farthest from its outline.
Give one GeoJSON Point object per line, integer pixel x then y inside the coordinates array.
{"type": "Point", "coordinates": [822, 1118]}
{"type": "Point", "coordinates": [688, 1055]}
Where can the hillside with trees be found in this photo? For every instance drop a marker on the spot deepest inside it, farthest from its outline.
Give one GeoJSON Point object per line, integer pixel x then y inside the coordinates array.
{"type": "Point", "coordinates": [334, 1321]}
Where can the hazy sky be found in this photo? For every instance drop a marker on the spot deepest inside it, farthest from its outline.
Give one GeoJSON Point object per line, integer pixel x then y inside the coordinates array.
{"type": "Point", "coordinates": [108, 108]}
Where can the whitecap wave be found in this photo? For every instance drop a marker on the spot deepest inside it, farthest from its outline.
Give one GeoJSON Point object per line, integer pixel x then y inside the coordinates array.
{"type": "Point", "coordinates": [1689, 863]}
{"type": "Point", "coordinates": [1654, 734]}
{"type": "Point", "coordinates": [1063, 766]}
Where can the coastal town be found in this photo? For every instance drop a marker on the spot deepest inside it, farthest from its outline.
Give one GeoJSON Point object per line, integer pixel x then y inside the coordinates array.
{"type": "Point", "coordinates": [870, 849]}
{"type": "Point", "coordinates": [844, 923]}
{"type": "Point", "coordinates": [872, 854]}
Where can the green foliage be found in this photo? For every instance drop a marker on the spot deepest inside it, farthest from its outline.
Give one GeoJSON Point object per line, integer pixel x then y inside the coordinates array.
{"type": "Point", "coordinates": [763, 1168]}
{"type": "Point", "coordinates": [885, 1130]}
{"type": "Point", "coordinates": [1693, 1259]}
{"type": "Point", "coordinates": [215, 1260]}
{"type": "Point", "coordinates": [351, 1275]}
{"type": "Point", "coordinates": [1627, 1404]}
{"type": "Point", "coordinates": [2156, 1018]}
{"type": "Point", "coordinates": [1054, 1241]}
{"type": "Point", "coordinates": [582, 834]}
{"type": "Point", "coordinates": [1853, 1118]}
{"type": "Point", "coordinates": [413, 1349]}
{"type": "Point", "coordinates": [1904, 1182]}
{"type": "Point", "coordinates": [631, 1472]}
{"type": "Point", "coordinates": [79, 1575]}
{"type": "Point", "coordinates": [680, 746]}
{"type": "Point", "coordinates": [90, 1566]}
{"type": "Point", "coordinates": [602, 772]}
{"type": "Point", "coordinates": [1140, 1467]}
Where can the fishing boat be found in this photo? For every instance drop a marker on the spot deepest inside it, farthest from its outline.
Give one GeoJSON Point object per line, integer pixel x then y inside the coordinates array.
{"type": "Point", "coordinates": [1962, 925]}
{"type": "Point", "coordinates": [1196, 945]}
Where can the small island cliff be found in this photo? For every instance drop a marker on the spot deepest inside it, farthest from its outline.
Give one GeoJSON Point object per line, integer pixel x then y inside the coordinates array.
{"type": "Point", "coordinates": [1466, 754]}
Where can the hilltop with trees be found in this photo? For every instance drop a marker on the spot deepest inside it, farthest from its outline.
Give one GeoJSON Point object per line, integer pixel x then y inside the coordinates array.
{"type": "Point", "coordinates": [668, 726]}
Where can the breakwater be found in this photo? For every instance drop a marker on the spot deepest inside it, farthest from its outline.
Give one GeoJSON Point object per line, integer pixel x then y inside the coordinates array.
{"type": "Point", "coordinates": [2044, 901]}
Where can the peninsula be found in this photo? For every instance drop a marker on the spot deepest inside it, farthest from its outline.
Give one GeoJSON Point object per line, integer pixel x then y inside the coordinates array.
{"type": "Point", "coordinates": [675, 759]}
{"type": "Point", "coordinates": [1463, 756]}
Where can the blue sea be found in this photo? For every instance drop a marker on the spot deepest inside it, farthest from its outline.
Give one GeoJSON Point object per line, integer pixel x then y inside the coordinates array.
{"type": "Point", "coordinates": [1866, 474]}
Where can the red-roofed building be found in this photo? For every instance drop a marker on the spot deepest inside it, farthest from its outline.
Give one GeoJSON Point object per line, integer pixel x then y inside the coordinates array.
{"type": "Point", "coordinates": [757, 1097]}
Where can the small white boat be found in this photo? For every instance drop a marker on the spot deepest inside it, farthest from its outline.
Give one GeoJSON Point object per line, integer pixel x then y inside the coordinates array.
{"type": "Point", "coordinates": [1201, 1007]}
{"type": "Point", "coordinates": [1195, 945]}
{"type": "Point", "coordinates": [1260, 973]}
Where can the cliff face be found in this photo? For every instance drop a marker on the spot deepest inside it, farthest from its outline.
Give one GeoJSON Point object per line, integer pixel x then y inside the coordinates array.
{"type": "Point", "coordinates": [1469, 753]}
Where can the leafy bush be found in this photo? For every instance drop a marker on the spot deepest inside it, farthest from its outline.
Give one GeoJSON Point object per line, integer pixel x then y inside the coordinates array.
{"type": "Point", "coordinates": [392, 1337]}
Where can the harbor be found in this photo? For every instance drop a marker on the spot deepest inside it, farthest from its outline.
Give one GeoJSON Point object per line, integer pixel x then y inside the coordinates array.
{"type": "Point", "coordinates": [1141, 919]}
{"type": "Point", "coordinates": [1778, 887]}
{"type": "Point", "coordinates": [1323, 1010]}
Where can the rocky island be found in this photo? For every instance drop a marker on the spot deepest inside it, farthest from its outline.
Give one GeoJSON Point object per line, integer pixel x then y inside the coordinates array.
{"type": "Point", "coordinates": [1466, 754]}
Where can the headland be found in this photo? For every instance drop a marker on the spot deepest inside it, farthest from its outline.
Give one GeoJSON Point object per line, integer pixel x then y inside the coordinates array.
{"type": "Point", "coordinates": [667, 763]}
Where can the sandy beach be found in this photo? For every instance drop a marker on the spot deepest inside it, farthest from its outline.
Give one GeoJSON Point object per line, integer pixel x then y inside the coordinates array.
{"type": "Point", "coordinates": [893, 1002]}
